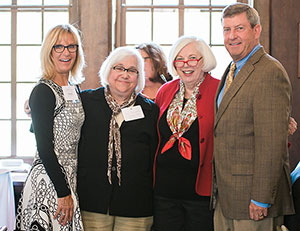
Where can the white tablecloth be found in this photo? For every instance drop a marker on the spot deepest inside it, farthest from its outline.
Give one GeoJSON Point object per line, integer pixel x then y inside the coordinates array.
{"type": "Point", "coordinates": [7, 201]}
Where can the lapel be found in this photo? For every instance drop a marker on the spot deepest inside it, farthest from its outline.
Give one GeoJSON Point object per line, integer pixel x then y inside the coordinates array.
{"type": "Point", "coordinates": [167, 97]}
{"type": "Point", "coordinates": [221, 84]}
{"type": "Point", "coordinates": [236, 85]}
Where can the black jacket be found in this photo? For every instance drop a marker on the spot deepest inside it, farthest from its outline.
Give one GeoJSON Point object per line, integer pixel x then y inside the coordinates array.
{"type": "Point", "coordinates": [138, 144]}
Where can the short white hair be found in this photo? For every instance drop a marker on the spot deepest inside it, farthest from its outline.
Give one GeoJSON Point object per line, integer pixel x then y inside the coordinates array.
{"type": "Point", "coordinates": [209, 60]}
{"type": "Point", "coordinates": [117, 55]}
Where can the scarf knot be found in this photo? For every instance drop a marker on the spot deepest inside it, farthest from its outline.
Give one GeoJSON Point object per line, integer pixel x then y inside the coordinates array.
{"type": "Point", "coordinates": [180, 118]}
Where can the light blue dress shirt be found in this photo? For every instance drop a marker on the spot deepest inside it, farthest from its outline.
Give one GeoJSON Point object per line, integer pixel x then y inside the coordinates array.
{"type": "Point", "coordinates": [239, 65]}
{"type": "Point", "coordinates": [295, 173]}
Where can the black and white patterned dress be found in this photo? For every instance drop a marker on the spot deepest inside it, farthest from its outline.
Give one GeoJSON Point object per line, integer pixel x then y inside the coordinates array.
{"type": "Point", "coordinates": [57, 123]}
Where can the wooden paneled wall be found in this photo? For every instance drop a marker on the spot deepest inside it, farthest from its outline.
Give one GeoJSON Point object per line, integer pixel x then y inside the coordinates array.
{"type": "Point", "coordinates": [93, 18]}
{"type": "Point", "coordinates": [280, 37]}
{"type": "Point", "coordinates": [285, 19]}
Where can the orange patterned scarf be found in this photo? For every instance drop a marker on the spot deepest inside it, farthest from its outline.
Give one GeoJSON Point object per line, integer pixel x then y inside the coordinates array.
{"type": "Point", "coordinates": [180, 119]}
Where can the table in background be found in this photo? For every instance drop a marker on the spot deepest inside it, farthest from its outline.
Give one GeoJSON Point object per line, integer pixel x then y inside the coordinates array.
{"type": "Point", "coordinates": [7, 201]}
{"type": "Point", "coordinates": [18, 179]}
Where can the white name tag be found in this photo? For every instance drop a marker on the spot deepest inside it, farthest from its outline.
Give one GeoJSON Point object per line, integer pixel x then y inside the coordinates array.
{"type": "Point", "coordinates": [132, 113]}
{"type": "Point", "coordinates": [70, 93]}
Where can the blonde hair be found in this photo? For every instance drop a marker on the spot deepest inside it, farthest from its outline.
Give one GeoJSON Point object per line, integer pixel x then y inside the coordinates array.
{"type": "Point", "coordinates": [47, 65]}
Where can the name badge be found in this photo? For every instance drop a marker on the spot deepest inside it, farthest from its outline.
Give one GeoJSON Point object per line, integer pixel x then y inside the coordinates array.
{"type": "Point", "coordinates": [133, 113]}
{"type": "Point", "coordinates": [70, 93]}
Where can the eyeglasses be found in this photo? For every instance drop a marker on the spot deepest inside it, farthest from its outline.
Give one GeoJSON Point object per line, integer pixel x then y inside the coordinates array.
{"type": "Point", "coordinates": [131, 71]}
{"type": "Point", "coordinates": [60, 48]}
{"type": "Point", "coordinates": [190, 62]}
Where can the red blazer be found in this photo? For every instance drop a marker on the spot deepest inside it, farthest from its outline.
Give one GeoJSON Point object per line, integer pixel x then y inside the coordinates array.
{"type": "Point", "coordinates": [205, 112]}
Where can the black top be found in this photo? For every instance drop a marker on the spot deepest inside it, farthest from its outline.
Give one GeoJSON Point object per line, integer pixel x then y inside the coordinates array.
{"type": "Point", "coordinates": [138, 144]}
{"type": "Point", "coordinates": [176, 176]}
{"type": "Point", "coordinates": [42, 104]}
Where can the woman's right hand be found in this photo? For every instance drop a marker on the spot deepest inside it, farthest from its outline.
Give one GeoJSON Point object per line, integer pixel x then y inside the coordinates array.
{"type": "Point", "coordinates": [27, 108]}
{"type": "Point", "coordinates": [65, 208]}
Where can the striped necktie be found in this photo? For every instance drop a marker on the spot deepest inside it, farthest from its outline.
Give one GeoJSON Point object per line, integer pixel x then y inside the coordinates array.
{"type": "Point", "coordinates": [229, 77]}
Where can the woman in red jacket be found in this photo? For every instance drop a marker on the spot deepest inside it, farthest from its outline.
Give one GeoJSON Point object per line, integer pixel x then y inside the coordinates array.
{"type": "Point", "coordinates": [182, 168]}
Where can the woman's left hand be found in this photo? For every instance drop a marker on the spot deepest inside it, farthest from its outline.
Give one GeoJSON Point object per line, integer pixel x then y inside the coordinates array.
{"type": "Point", "coordinates": [65, 208]}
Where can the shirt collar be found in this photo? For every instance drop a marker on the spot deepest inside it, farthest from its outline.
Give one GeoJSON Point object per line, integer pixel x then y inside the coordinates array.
{"type": "Point", "coordinates": [241, 63]}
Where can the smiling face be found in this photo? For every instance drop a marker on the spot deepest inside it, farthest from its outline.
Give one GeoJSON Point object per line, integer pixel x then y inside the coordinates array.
{"type": "Point", "coordinates": [239, 37]}
{"type": "Point", "coordinates": [64, 62]}
{"type": "Point", "coordinates": [122, 83]}
{"type": "Point", "coordinates": [188, 74]}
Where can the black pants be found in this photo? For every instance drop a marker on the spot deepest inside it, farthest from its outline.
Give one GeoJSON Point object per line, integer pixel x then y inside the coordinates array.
{"type": "Point", "coordinates": [182, 215]}
{"type": "Point", "coordinates": [292, 222]}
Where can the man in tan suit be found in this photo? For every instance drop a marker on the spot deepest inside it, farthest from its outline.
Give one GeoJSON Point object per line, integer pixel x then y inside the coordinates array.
{"type": "Point", "coordinates": [251, 165]}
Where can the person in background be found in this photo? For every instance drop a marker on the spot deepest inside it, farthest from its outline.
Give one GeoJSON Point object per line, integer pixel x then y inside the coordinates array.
{"type": "Point", "coordinates": [49, 200]}
{"type": "Point", "coordinates": [251, 163]}
{"type": "Point", "coordinates": [156, 72]}
{"type": "Point", "coordinates": [182, 167]}
{"type": "Point", "coordinates": [117, 147]}
{"type": "Point", "coordinates": [292, 222]}
{"type": "Point", "coordinates": [295, 175]}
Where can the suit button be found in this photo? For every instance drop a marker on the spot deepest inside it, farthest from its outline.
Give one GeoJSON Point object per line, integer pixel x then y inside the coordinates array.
{"type": "Point", "coordinates": [202, 140]}
{"type": "Point", "coordinates": [199, 96]}
{"type": "Point", "coordinates": [200, 117]}
{"type": "Point", "coordinates": [113, 168]}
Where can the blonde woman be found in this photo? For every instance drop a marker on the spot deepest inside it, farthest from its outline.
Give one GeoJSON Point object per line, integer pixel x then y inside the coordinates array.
{"type": "Point", "coordinates": [49, 200]}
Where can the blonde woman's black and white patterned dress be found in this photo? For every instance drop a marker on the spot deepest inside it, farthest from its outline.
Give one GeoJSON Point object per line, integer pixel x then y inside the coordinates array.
{"type": "Point", "coordinates": [57, 123]}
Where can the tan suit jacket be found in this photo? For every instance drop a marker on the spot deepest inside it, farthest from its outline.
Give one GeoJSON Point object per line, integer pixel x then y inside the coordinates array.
{"type": "Point", "coordinates": [250, 139]}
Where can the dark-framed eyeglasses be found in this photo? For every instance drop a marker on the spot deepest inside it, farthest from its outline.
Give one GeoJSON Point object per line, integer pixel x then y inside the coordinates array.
{"type": "Point", "coordinates": [190, 62]}
{"type": "Point", "coordinates": [131, 71]}
{"type": "Point", "coordinates": [61, 48]}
